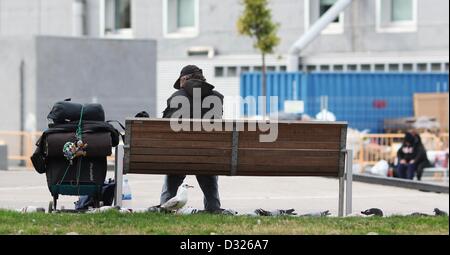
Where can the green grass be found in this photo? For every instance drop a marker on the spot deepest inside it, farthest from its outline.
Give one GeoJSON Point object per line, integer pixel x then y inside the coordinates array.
{"type": "Point", "coordinates": [201, 224]}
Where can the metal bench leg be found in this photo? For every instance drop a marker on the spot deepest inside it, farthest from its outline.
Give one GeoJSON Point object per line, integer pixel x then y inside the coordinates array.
{"type": "Point", "coordinates": [118, 175]}
{"type": "Point", "coordinates": [446, 175]}
{"type": "Point", "coordinates": [341, 197]}
{"type": "Point", "coordinates": [348, 184]}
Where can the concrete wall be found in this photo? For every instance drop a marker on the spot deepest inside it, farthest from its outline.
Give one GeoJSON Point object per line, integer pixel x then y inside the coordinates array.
{"type": "Point", "coordinates": [360, 33]}
{"type": "Point", "coordinates": [217, 27]}
{"type": "Point", "coordinates": [119, 74]}
{"type": "Point", "coordinates": [12, 52]}
{"type": "Point", "coordinates": [93, 18]}
{"type": "Point", "coordinates": [27, 18]}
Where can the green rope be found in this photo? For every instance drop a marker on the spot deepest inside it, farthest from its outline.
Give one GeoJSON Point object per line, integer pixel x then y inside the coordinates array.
{"type": "Point", "coordinates": [64, 176]}
{"type": "Point", "coordinates": [78, 135]}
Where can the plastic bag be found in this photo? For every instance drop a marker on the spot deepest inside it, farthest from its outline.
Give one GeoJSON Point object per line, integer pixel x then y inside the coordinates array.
{"type": "Point", "coordinates": [380, 168]}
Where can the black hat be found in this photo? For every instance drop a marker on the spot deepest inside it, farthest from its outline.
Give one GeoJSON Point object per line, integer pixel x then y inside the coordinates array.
{"type": "Point", "coordinates": [190, 69]}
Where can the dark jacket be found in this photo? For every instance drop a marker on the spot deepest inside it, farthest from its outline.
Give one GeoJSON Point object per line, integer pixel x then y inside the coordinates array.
{"type": "Point", "coordinates": [187, 91]}
{"type": "Point", "coordinates": [418, 152]}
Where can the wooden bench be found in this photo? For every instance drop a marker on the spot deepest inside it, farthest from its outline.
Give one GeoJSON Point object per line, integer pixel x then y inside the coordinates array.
{"type": "Point", "coordinates": [301, 149]}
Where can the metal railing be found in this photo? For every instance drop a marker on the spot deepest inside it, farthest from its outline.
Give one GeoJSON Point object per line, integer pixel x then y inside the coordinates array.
{"type": "Point", "coordinates": [20, 145]}
{"type": "Point", "coordinates": [372, 148]}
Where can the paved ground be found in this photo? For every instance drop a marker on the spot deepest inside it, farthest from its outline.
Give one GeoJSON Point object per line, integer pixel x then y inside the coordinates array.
{"type": "Point", "coordinates": [19, 188]}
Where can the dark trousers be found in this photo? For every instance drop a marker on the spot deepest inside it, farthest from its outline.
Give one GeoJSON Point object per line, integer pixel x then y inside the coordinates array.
{"type": "Point", "coordinates": [406, 171]}
{"type": "Point", "coordinates": [208, 184]}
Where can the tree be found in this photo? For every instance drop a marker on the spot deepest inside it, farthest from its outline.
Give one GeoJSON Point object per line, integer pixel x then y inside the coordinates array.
{"type": "Point", "coordinates": [256, 22]}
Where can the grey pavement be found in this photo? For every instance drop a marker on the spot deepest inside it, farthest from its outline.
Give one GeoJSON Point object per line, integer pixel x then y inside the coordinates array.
{"type": "Point", "coordinates": [19, 188]}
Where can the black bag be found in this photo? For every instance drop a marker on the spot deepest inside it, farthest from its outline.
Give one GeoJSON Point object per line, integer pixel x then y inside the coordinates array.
{"type": "Point", "coordinates": [87, 127]}
{"type": "Point", "coordinates": [66, 112]}
{"type": "Point", "coordinates": [107, 196]}
{"type": "Point", "coordinates": [98, 144]}
{"type": "Point", "coordinates": [38, 160]}
{"type": "Point", "coordinates": [84, 170]}
{"type": "Point", "coordinates": [64, 122]}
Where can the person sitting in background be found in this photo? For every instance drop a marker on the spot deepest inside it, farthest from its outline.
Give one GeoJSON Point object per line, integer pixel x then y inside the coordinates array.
{"type": "Point", "coordinates": [421, 159]}
{"type": "Point", "coordinates": [411, 155]}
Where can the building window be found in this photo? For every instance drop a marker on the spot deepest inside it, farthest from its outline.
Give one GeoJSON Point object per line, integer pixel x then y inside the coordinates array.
{"type": "Point", "coordinates": [180, 18]}
{"type": "Point", "coordinates": [219, 71]}
{"type": "Point", "coordinates": [311, 68]}
{"type": "Point", "coordinates": [325, 68]}
{"type": "Point", "coordinates": [366, 67]}
{"type": "Point", "coordinates": [315, 9]}
{"type": "Point", "coordinates": [352, 68]}
{"type": "Point", "coordinates": [408, 67]}
{"type": "Point", "coordinates": [402, 10]}
{"type": "Point", "coordinates": [379, 68]}
{"type": "Point", "coordinates": [422, 67]}
{"type": "Point", "coordinates": [393, 67]}
{"type": "Point", "coordinates": [325, 5]}
{"type": "Point", "coordinates": [338, 68]}
{"type": "Point", "coordinates": [231, 71]}
{"type": "Point", "coordinates": [117, 18]}
{"type": "Point", "coordinates": [245, 69]}
{"type": "Point", "coordinates": [396, 15]}
{"type": "Point", "coordinates": [271, 68]}
{"type": "Point", "coordinates": [436, 67]}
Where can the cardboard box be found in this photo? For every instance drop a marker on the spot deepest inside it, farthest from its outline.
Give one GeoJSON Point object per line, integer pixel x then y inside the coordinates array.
{"type": "Point", "coordinates": [432, 105]}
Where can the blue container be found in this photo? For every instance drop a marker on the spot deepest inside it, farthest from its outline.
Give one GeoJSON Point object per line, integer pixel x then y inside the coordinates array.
{"type": "Point", "coordinates": [364, 100]}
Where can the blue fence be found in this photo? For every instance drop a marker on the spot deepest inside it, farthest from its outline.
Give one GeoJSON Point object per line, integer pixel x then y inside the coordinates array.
{"type": "Point", "coordinates": [362, 99]}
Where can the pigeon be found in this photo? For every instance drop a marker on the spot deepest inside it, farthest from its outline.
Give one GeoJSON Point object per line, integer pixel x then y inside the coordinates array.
{"type": "Point", "coordinates": [157, 209]}
{"type": "Point", "coordinates": [187, 210]}
{"type": "Point", "coordinates": [179, 200]}
{"type": "Point", "coordinates": [31, 209]}
{"type": "Point", "coordinates": [355, 214]}
{"type": "Point", "coordinates": [219, 211]}
{"type": "Point", "coordinates": [103, 209]}
{"type": "Point", "coordinates": [278, 212]}
{"type": "Point", "coordinates": [373, 211]}
{"type": "Point", "coordinates": [318, 214]}
{"type": "Point", "coordinates": [419, 214]}
{"type": "Point", "coordinates": [229, 212]}
{"type": "Point", "coordinates": [438, 212]}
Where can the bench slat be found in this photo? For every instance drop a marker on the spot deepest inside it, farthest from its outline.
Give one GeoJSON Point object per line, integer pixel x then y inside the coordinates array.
{"type": "Point", "coordinates": [180, 159]}
{"type": "Point", "coordinates": [185, 136]}
{"type": "Point", "coordinates": [187, 171]}
{"type": "Point", "coordinates": [180, 152]}
{"type": "Point", "coordinates": [150, 143]}
{"type": "Point", "coordinates": [180, 166]}
{"type": "Point", "coordinates": [290, 145]}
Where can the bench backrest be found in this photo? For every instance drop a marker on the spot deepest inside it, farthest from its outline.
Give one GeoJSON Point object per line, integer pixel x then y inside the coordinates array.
{"type": "Point", "coordinates": [302, 149]}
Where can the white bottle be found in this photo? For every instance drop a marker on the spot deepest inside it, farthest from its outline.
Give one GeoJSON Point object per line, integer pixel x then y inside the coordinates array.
{"type": "Point", "coordinates": [126, 194]}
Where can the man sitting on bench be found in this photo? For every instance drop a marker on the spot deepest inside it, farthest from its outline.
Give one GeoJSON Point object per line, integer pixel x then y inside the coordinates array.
{"type": "Point", "coordinates": [191, 80]}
